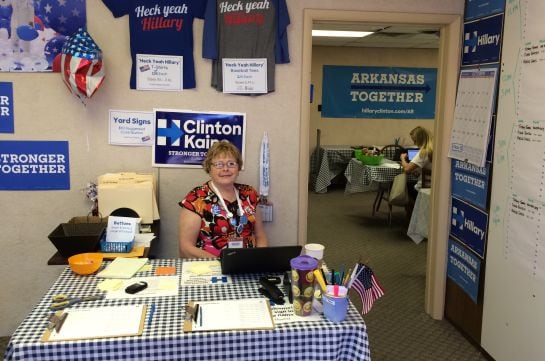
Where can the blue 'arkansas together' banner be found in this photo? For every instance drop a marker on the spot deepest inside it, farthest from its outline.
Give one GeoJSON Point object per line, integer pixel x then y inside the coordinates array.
{"type": "Point", "coordinates": [378, 92]}
{"type": "Point", "coordinates": [183, 137]}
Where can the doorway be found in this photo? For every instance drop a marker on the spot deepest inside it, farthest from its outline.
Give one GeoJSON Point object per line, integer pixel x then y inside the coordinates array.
{"type": "Point", "coordinates": [448, 64]}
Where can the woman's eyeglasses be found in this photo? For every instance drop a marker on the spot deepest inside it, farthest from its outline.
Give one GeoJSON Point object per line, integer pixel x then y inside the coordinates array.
{"type": "Point", "coordinates": [221, 165]}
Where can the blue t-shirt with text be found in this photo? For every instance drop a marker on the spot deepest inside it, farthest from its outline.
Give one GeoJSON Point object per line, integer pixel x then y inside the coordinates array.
{"type": "Point", "coordinates": [161, 27]}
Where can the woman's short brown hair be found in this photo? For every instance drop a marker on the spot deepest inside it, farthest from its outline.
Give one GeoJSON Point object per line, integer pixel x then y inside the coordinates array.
{"type": "Point", "coordinates": [220, 148]}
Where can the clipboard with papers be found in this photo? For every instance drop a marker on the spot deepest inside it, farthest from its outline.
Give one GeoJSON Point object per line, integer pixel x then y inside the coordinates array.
{"type": "Point", "coordinates": [98, 322]}
{"type": "Point", "coordinates": [227, 315]}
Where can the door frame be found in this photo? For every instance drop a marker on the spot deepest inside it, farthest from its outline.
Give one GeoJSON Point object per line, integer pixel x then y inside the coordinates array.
{"type": "Point", "coordinates": [450, 26]}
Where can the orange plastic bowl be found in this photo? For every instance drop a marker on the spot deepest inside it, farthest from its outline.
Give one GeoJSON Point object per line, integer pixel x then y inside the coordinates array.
{"type": "Point", "coordinates": [85, 263]}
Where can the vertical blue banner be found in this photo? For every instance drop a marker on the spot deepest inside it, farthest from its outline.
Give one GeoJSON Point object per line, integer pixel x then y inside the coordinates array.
{"type": "Point", "coordinates": [182, 137]}
{"type": "Point", "coordinates": [470, 182]}
{"type": "Point", "coordinates": [34, 165]}
{"type": "Point", "coordinates": [482, 40]}
{"type": "Point", "coordinates": [469, 225]}
{"type": "Point", "coordinates": [463, 268]}
{"type": "Point", "coordinates": [378, 92]}
{"type": "Point", "coordinates": [6, 107]}
{"type": "Point", "coordinates": [480, 8]}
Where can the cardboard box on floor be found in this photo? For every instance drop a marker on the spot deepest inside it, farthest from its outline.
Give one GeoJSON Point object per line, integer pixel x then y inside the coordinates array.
{"type": "Point", "coordinates": [136, 191]}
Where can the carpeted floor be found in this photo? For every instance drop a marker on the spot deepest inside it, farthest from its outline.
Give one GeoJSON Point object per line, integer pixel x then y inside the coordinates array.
{"type": "Point", "coordinates": [397, 325]}
{"type": "Point", "coordinates": [3, 345]}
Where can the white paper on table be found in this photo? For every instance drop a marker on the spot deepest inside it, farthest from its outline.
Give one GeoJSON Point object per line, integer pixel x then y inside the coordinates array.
{"type": "Point", "coordinates": [98, 322]}
{"type": "Point", "coordinates": [122, 267]}
{"type": "Point", "coordinates": [285, 314]}
{"type": "Point", "coordinates": [250, 313]}
{"type": "Point", "coordinates": [196, 273]}
{"type": "Point", "coordinates": [158, 286]}
{"type": "Point", "coordinates": [143, 239]}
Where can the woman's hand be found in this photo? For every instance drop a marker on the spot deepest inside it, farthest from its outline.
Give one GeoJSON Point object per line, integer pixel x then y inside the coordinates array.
{"type": "Point", "coordinates": [404, 157]}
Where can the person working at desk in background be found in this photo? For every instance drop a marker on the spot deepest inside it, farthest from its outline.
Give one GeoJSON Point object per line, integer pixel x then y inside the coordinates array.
{"type": "Point", "coordinates": [421, 162]}
{"type": "Point", "coordinates": [220, 213]}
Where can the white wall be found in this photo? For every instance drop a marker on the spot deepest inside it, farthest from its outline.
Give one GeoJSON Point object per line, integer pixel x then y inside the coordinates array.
{"type": "Point", "coordinates": [45, 110]}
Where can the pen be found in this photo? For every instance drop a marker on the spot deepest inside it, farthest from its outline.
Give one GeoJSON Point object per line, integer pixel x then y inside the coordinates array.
{"type": "Point", "coordinates": [323, 274]}
{"type": "Point", "coordinates": [332, 276]}
{"type": "Point", "coordinates": [196, 312]}
{"type": "Point", "coordinates": [151, 312]}
{"type": "Point", "coordinates": [200, 316]}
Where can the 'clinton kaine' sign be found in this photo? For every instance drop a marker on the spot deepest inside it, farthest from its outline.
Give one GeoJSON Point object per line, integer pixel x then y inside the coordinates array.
{"type": "Point", "coordinates": [378, 92]}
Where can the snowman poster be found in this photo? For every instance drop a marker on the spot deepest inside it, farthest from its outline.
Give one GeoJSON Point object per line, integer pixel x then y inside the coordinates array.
{"type": "Point", "coordinates": [32, 32]}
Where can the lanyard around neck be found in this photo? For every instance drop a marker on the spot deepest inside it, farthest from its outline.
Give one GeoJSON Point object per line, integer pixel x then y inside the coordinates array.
{"type": "Point", "coordinates": [222, 202]}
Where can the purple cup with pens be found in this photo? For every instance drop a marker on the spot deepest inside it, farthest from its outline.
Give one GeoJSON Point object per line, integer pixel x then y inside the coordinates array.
{"type": "Point", "coordinates": [335, 302]}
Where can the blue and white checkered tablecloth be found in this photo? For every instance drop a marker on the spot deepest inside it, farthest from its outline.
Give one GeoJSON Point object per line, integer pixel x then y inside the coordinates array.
{"type": "Point", "coordinates": [366, 178]}
{"type": "Point", "coordinates": [326, 163]}
{"type": "Point", "coordinates": [164, 339]}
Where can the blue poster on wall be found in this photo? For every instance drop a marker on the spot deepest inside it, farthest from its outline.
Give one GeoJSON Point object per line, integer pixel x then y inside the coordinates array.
{"type": "Point", "coordinates": [482, 40]}
{"type": "Point", "coordinates": [34, 165]}
{"type": "Point", "coordinates": [469, 225]}
{"type": "Point", "coordinates": [183, 137]}
{"type": "Point", "coordinates": [6, 107]}
{"type": "Point", "coordinates": [480, 8]}
{"type": "Point", "coordinates": [470, 182]}
{"type": "Point", "coordinates": [378, 92]}
{"type": "Point", "coordinates": [463, 268]}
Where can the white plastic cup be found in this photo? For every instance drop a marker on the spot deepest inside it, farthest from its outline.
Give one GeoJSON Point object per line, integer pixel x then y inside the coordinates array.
{"type": "Point", "coordinates": [315, 250]}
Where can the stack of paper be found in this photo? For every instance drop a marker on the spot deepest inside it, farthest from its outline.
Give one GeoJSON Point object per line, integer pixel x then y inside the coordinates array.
{"type": "Point", "coordinates": [123, 268]}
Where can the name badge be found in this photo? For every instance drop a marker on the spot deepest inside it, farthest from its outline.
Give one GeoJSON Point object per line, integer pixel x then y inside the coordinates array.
{"type": "Point", "coordinates": [235, 242]}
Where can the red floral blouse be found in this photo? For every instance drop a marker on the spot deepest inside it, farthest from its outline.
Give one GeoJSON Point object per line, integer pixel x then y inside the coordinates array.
{"type": "Point", "coordinates": [216, 228]}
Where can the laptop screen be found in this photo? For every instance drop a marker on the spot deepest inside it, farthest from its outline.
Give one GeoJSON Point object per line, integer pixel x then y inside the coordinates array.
{"type": "Point", "coordinates": [255, 260]}
{"type": "Point", "coordinates": [411, 153]}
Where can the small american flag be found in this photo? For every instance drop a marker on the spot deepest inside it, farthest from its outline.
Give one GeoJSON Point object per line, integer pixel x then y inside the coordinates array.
{"type": "Point", "coordinates": [367, 287]}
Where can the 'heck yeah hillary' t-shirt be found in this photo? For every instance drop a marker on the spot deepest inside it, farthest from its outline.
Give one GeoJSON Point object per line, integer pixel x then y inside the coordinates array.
{"type": "Point", "coordinates": [246, 29]}
{"type": "Point", "coordinates": [161, 27]}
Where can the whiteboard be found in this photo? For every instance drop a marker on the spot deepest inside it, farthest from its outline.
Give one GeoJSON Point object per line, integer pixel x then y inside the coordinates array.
{"type": "Point", "coordinates": [514, 296]}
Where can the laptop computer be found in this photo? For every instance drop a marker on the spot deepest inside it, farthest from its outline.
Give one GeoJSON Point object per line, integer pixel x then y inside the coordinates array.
{"type": "Point", "coordinates": [411, 153]}
{"type": "Point", "coordinates": [257, 260]}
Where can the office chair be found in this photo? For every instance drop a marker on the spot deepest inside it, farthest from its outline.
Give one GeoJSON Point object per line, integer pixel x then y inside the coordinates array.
{"type": "Point", "coordinates": [391, 152]}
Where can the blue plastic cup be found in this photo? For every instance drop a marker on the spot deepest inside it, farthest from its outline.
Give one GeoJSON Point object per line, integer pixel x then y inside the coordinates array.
{"type": "Point", "coordinates": [335, 308]}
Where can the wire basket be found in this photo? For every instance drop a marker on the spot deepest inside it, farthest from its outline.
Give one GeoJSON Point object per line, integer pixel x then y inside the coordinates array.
{"type": "Point", "coordinates": [115, 247]}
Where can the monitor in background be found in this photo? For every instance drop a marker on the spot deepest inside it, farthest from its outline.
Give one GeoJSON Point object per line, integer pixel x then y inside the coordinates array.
{"type": "Point", "coordinates": [256, 260]}
{"type": "Point", "coordinates": [411, 153]}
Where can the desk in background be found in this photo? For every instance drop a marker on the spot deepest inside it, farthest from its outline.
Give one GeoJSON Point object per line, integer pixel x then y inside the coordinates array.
{"type": "Point", "coordinates": [326, 163]}
{"type": "Point", "coordinates": [418, 227]}
{"type": "Point", "coordinates": [365, 178]}
{"type": "Point", "coordinates": [164, 338]}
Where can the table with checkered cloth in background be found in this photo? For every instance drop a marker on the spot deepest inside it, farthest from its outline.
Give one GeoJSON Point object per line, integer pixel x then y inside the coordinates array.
{"type": "Point", "coordinates": [164, 339]}
{"type": "Point", "coordinates": [365, 178]}
{"type": "Point", "coordinates": [326, 163]}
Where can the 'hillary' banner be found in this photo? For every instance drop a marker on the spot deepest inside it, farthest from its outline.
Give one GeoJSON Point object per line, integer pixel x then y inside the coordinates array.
{"type": "Point", "coordinates": [469, 225]}
{"type": "Point", "coordinates": [378, 92]}
{"type": "Point", "coordinates": [482, 40]}
{"type": "Point", "coordinates": [34, 165]}
{"type": "Point", "coordinates": [182, 137]}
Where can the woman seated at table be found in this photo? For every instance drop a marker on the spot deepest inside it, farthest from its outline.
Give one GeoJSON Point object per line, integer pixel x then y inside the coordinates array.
{"type": "Point", "coordinates": [220, 213]}
{"type": "Point", "coordinates": [421, 162]}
